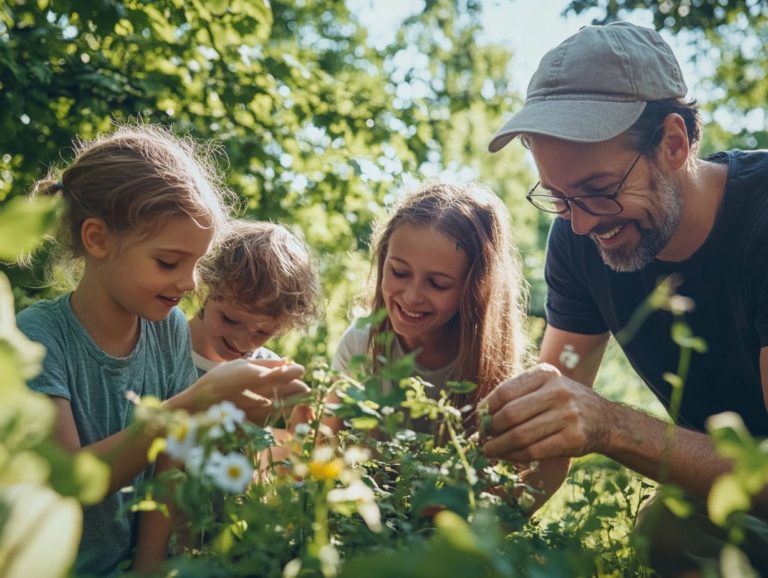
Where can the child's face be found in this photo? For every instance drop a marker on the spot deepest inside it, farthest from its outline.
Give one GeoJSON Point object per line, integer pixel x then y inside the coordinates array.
{"type": "Point", "coordinates": [424, 274]}
{"type": "Point", "coordinates": [147, 277]}
{"type": "Point", "coordinates": [233, 332]}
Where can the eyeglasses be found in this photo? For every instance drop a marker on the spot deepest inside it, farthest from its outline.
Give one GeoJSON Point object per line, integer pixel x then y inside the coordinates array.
{"type": "Point", "coordinates": [597, 205]}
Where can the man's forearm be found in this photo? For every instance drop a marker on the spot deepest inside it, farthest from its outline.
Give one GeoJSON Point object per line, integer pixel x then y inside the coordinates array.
{"type": "Point", "coordinates": [667, 453]}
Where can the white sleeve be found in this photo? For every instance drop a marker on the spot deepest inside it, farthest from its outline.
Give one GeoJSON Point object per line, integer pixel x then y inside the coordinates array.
{"type": "Point", "coordinates": [353, 343]}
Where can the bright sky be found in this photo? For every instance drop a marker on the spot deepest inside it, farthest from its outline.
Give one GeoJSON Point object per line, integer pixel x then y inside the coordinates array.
{"type": "Point", "coordinates": [528, 27]}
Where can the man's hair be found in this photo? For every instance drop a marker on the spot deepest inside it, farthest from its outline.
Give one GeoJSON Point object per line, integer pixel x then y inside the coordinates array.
{"type": "Point", "coordinates": [266, 270]}
{"type": "Point", "coordinates": [645, 134]}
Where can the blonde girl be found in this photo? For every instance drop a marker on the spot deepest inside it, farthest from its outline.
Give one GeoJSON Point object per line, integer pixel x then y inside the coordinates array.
{"type": "Point", "coordinates": [140, 208]}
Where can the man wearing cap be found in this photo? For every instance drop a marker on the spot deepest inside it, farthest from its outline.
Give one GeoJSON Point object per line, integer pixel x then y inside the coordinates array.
{"type": "Point", "coordinates": [615, 146]}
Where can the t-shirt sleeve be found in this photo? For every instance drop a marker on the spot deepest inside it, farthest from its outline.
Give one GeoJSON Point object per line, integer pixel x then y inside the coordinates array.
{"type": "Point", "coordinates": [353, 342]}
{"type": "Point", "coordinates": [570, 305]}
{"type": "Point", "coordinates": [39, 325]}
{"type": "Point", "coordinates": [185, 372]}
{"type": "Point", "coordinates": [759, 270]}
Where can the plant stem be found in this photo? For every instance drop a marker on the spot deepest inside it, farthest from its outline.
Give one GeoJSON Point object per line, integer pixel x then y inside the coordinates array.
{"type": "Point", "coordinates": [463, 457]}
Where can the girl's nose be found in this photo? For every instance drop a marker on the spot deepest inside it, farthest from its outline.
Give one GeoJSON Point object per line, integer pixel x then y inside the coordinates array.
{"type": "Point", "coordinates": [187, 281]}
{"type": "Point", "coordinates": [412, 294]}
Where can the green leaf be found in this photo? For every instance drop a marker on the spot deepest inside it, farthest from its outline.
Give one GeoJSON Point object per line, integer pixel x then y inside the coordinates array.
{"type": "Point", "coordinates": [92, 476]}
{"type": "Point", "coordinates": [673, 379]}
{"type": "Point", "coordinates": [726, 497]}
{"type": "Point", "coordinates": [454, 528]}
{"type": "Point", "coordinates": [461, 386]}
{"type": "Point", "coordinates": [42, 532]}
{"type": "Point", "coordinates": [23, 222]}
{"type": "Point", "coordinates": [364, 423]}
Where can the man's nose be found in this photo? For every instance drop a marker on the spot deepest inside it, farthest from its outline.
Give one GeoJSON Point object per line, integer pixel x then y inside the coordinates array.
{"type": "Point", "coordinates": [581, 221]}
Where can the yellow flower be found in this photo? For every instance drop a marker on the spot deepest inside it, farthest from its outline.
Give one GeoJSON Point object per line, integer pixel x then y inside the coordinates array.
{"type": "Point", "coordinates": [326, 470]}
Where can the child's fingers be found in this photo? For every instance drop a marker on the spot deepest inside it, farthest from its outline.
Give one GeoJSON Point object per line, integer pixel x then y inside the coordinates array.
{"type": "Point", "coordinates": [279, 369]}
{"type": "Point", "coordinates": [269, 363]}
{"type": "Point", "coordinates": [300, 414]}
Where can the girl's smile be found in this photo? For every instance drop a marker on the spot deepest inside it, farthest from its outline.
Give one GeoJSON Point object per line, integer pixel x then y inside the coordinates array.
{"type": "Point", "coordinates": [424, 275]}
{"type": "Point", "coordinates": [225, 331]}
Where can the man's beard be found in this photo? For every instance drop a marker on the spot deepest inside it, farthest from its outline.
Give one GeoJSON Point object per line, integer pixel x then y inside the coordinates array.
{"type": "Point", "coordinates": [665, 216]}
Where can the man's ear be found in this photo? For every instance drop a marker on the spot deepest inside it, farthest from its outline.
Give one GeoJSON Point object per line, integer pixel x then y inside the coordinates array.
{"type": "Point", "coordinates": [674, 147]}
{"type": "Point", "coordinates": [95, 236]}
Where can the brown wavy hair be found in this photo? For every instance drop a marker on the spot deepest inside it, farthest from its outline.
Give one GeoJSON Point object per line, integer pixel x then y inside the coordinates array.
{"type": "Point", "coordinates": [135, 178]}
{"type": "Point", "coordinates": [266, 270]}
{"type": "Point", "coordinates": [490, 320]}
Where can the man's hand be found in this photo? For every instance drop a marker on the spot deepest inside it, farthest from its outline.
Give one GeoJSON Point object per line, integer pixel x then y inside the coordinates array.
{"type": "Point", "coordinates": [542, 414]}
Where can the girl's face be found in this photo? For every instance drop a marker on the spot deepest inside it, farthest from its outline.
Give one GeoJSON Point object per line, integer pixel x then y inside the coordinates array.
{"type": "Point", "coordinates": [232, 332]}
{"type": "Point", "coordinates": [147, 277]}
{"type": "Point", "coordinates": [424, 275]}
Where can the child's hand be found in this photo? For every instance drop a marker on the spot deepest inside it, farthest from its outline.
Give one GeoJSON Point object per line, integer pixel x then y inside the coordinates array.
{"type": "Point", "coordinates": [300, 414]}
{"type": "Point", "coordinates": [251, 385]}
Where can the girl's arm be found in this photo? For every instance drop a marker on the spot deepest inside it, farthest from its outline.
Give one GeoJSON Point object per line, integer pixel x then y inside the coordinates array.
{"type": "Point", "coordinates": [154, 531]}
{"type": "Point", "coordinates": [126, 451]}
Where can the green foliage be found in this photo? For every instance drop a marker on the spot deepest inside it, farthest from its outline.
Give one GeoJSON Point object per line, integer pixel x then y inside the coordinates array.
{"type": "Point", "coordinates": [39, 527]}
{"type": "Point", "coordinates": [320, 129]}
{"type": "Point", "coordinates": [389, 500]}
{"type": "Point", "coordinates": [732, 492]}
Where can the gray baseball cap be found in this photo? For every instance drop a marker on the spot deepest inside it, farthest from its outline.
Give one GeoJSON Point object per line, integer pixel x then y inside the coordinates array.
{"type": "Point", "coordinates": [595, 85]}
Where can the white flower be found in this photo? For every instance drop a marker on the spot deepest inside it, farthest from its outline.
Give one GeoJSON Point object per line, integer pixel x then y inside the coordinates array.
{"type": "Point", "coordinates": [227, 414]}
{"type": "Point", "coordinates": [355, 455]}
{"type": "Point", "coordinates": [213, 464]}
{"type": "Point", "coordinates": [215, 432]}
{"type": "Point", "coordinates": [358, 493]}
{"type": "Point", "coordinates": [302, 429]}
{"type": "Point", "coordinates": [569, 358]}
{"type": "Point", "coordinates": [182, 438]}
{"type": "Point", "coordinates": [232, 473]}
{"type": "Point", "coordinates": [323, 454]}
{"type": "Point", "coordinates": [194, 461]}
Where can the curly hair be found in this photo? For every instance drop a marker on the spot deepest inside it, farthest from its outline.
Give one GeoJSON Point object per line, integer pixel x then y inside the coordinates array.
{"type": "Point", "coordinates": [264, 269]}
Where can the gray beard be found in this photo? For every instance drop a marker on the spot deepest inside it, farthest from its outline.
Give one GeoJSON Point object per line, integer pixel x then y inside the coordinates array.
{"type": "Point", "coordinates": [669, 202]}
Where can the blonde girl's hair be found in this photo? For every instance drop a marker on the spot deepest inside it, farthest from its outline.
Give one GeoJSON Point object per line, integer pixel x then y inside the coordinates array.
{"type": "Point", "coordinates": [135, 178]}
{"type": "Point", "coordinates": [490, 321]}
{"type": "Point", "coordinates": [266, 270]}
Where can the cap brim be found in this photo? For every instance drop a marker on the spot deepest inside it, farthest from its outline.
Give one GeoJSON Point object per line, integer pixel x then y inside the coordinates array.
{"type": "Point", "coordinates": [572, 120]}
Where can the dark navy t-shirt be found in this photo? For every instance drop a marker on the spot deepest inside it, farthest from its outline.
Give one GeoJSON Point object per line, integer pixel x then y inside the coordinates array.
{"type": "Point", "coordinates": [727, 278]}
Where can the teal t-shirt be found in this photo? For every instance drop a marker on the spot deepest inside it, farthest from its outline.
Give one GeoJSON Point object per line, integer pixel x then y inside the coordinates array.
{"type": "Point", "coordinates": [96, 384]}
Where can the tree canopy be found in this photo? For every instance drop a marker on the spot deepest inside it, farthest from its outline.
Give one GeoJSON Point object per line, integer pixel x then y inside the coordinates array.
{"type": "Point", "coordinates": [319, 129]}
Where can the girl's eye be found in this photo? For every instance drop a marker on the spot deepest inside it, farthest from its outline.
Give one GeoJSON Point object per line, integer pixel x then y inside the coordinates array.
{"type": "Point", "coordinates": [228, 320]}
{"type": "Point", "coordinates": [398, 274]}
{"type": "Point", "coordinates": [166, 264]}
{"type": "Point", "coordinates": [438, 286]}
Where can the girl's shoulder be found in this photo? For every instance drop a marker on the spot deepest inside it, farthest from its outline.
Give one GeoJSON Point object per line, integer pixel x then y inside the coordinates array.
{"type": "Point", "coordinates": [353, 342]}
{"type": "Point", "coordinates": [357, 333]}
{"type": "Point", "coordinates": [46, 314]}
